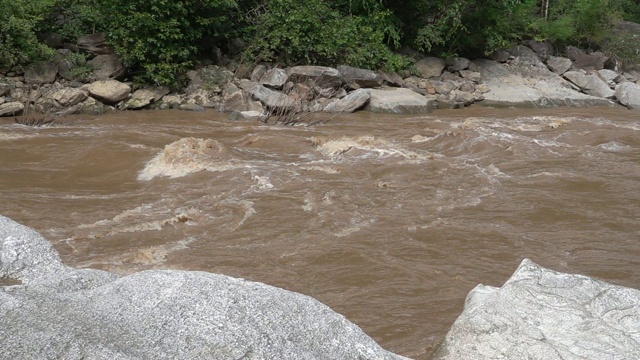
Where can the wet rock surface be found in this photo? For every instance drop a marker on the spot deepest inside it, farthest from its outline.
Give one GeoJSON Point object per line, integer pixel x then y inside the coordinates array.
{"type": "Point", "coordinates": [61, 312]}
{"type": "Point", "coordinates": [543, 314]}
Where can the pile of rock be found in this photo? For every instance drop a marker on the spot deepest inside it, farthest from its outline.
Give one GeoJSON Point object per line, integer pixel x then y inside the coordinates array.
{"type": "Point", "coordinates": [524, 75]}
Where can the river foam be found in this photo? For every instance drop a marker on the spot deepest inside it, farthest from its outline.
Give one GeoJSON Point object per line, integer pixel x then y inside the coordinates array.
{"type": "Point", "coordinates": [187, 156]}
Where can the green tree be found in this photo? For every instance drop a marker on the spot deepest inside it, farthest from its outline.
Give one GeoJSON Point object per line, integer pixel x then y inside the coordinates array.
{"type": "Point", "coordinates": [317, 32]}
{"type": "Point", "coordinates": [159, 39]}
{"type": "Point", "coordinates": [20, 21]}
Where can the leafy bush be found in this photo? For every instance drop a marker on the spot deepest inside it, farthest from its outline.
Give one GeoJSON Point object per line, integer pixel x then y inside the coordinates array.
{"type": "Point", "coordinates": [159, 39]}
{"type": "Point", "coordinates": [74, 18]}
{"type": "Point", "coordinates": [80, 70]}
{"type": "Point", "coordinates": [19, 23]}
{"type": "Point", "coordinates": [311, 32]}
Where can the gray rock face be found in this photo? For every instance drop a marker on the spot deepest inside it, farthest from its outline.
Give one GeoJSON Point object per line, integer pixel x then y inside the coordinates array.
{"type": "Point", "coordinates": [258, 72]}
{"type": "Point", "coordinates": [444, 87]}
{"type": "Point", "coordinates": [274, 78]}
{"type": "Point", "coordinates": [41, 73]}
{"type": "Point", "coordinates": [470, 75]}
{"type": "Point", "coordinates": [350, 103]}
{"type": "Point", "coordinates": [360, 78]}
{"type": "Point", "coordinates": [457, 64]}
{"type": "Point", "coordinates": [609, 76]}
{"type": "Point", "coordinates": [430, 67]}
{"type": "Point", "coordinates": [4, 88]}
{"type": "Point", "coordinates": [140, 98]}
{"type": "Point", "coordinates": [11, 108]}
{"type": "Point", "coordinates": [109, 91]}
{"type": "Point", "coordinates": [272, 99]}
{"type": "Point", "coordinates": [542, 48]}
{"type": "Point", "coordinates": [593, 61]}
{"type": "Point", "coordinates": [628, 94]}
{"type": "Point", "coordinates": [191, 107]}
{"type": "Point", "coordinates": [508, 87]}
{"type": "Point", "coordinates": [392, 79]}
{"type": "Point", "coordinates": [69, 96]}
{"type": "Point", "coordinates": [559, 65]}
{"type": "Point", "coordinates": [321, 76]}
{"type": "Point", "coordinates": [60, 312]}
{"type": "Point", "coordinates": [235, 102]}
{"type": "Point", "coordinates": [590, 84]}
{"type": "Point", "coordinates": [398, 101]}
{"type": "Point", "coordinates": [108, 66]}
{"type": "Point", "coordinates": [540, 314]}
{"type": "Point", "coordinates": [246, 115]}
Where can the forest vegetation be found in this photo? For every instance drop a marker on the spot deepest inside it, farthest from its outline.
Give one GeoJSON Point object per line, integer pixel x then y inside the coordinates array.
{"type": "Point", "coordinates": [160, 39]}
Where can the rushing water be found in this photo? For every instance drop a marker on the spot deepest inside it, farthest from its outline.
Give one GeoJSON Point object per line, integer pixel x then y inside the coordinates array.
{"type": "Point", "coordinates": [390, 220]}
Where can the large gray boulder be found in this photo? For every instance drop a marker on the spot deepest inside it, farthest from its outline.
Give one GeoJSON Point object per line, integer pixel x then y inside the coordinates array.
{"type": "Point", "coordinates": [541, 314]}
{"type": "Point", "coordinates": [590, 84]}
{"type": "Point", "coordinates": [321, 76]}
{"type": "Point", "coordinates": [628, 94]}
{"type": "Point", "coordinates": [398, 101]}
{"type": "Point", "coordinates": [109, 91]}
{"type": "Point", "coordinates": [11, 108]}
{"type": "Point", "coordinates": [64, 313]}
{"type": "Point", "coordinates": [430, 67]}
{"type": "Point", "coordinates": [140, 98]}
{"type": "Point", "coordinates": [240, 101]}
{"type": "Point", "coordinates": [274, 78]}
{"type": "Point", "coordinates": [526, 83]}
{"type": "Point", "coordinates": [108, 66]}
{"type": "Point", "coordinates": [350, 103]}
{"type": "Point", "coordinates": [273, 99]}
{"type": "Point", "coordinates": [559, 65]}
{"type": "Point", "coordinates": [69, 96]}
{"type": "Point", "coordinates": [43, 72]}
{"type": "Point", "coordinates": [357, 78]}
{"type": "Point", "coordinates": [4, 88]}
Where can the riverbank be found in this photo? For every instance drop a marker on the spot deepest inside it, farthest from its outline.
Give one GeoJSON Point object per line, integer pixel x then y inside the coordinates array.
{"type": "Point", "coordinates": [522, 76]}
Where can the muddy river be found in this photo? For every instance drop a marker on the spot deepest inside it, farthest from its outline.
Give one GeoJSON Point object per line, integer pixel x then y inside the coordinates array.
{"type": "Point", "coordinates": [389, 220]}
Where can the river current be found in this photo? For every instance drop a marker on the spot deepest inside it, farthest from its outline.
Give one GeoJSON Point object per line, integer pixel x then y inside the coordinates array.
{"type": "Point", "coordinates": [389, 220]}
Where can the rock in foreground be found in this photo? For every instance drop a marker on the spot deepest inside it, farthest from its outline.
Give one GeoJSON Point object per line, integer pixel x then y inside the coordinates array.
{"type": "Point", "coordinates": [546, 315]}
{"type": "Point", "coordinates": [64, 313]}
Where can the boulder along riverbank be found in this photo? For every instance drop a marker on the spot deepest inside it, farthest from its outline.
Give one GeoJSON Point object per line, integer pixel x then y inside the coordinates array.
{"type": "Point", "coordinates": [49, 310]}
{"type": "Point", "coordinates": [522, 76]}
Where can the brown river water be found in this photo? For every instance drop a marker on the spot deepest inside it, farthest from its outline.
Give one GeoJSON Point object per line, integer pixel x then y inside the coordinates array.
{"type": "Point", "coordinates": [389, 220]}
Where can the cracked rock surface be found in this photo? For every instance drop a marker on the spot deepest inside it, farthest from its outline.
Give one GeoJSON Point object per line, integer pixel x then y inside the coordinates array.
{"type": "Point", "coordinates": [52, 311]}
{"type": "Point", "coordinates": [543, 314]}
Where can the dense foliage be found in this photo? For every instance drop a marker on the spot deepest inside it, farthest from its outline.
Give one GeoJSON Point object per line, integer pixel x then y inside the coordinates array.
{"type": "Point", "coordinates": [160, 39]}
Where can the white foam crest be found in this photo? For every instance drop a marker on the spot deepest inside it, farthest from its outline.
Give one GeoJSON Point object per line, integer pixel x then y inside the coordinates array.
{"type": "Point", "coordinates": [324, 169]}
{"type": "Point", "coordinates": [614, 146]}
{"type": "Point", "coordinates": [186, 156]}
{"type": "Point", "coordinates": [137, 220]}
{"type": "Point", "coordinates": [261, 183]}
{"type": "Point", "coordinates": [7, 136]}
{"type": "Point", "coordinates": [157, 254]}
{"type": "Point", "coordinates": [549, 174]}
{"type": "Point", "coordinates": [249, 211]}
{"type": "Point", "coordinates": [371, 144]}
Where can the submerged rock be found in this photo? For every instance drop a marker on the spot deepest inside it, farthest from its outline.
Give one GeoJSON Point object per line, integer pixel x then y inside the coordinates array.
{"type": "Point", "coordinates": [543, 314]}
{"type": "Point", "coordinates": [61, 312]}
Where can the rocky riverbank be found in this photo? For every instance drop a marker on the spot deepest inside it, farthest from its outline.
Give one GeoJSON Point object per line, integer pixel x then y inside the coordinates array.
{"type": "Point", "coordinates": [49, 311]}
{"type": "Point", "coordinates": [524, 75]}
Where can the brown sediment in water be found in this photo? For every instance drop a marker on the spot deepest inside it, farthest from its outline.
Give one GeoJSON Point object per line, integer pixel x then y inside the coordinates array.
{"type": "Point", "coordinates": [390, 220]}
